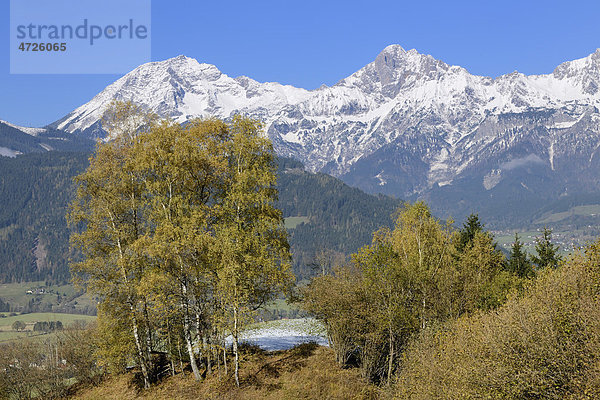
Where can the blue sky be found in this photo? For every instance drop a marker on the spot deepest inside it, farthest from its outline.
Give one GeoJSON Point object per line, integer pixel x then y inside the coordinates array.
{"type": "Point", "coordinates": [308, 43]}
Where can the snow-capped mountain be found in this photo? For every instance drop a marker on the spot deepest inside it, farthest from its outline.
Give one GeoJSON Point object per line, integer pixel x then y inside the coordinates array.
{"type": "Point", "coordinates": [405, 124]}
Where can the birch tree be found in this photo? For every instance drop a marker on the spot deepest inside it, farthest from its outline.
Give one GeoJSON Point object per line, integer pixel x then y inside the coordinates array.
{"type": "Point", "coordinates": [179, 234]}
{"type": "Point", "coordinates": [254, 252]}
{"type": "Point", "coordinates": [184, 169]}
{"type": "Point", "coordinates": [108, 212]}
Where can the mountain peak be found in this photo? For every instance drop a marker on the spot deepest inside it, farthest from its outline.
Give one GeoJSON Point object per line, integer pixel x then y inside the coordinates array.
{"type": "Point", "coordinates": [393, 55]}
{"type": "Point", "coordinates": [583, 73]}
{"type": "Point", "coordinates": [399, 93]}
{"type": "Point", "coordinates": [179, 71]}
{"type": "Point", "coordinates": [393, 49]}
{"type": "Point", "coordinates": [395, 68]}
{"type": "Point", "coordinates": [178, 60]}
{"type": "Point", "coordinates": [27, 130]}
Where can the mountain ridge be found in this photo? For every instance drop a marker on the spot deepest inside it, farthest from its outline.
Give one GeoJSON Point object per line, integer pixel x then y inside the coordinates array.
{"type": "Point", "coordinates": [399, 86]}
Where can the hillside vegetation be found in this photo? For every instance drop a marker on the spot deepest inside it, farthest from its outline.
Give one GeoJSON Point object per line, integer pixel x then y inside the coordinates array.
{"type": "Point", "coordinates": [337, 219]}
{"type": "Point", "coordinates": [36, 188]}
{"type": "Point", "coordinates": [181, 242]}
{"type": "Point", "coordinates": [543, 345]}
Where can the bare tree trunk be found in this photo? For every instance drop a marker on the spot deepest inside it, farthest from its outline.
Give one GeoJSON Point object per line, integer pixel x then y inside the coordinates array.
{"type": "Point", "coordinates": [180, 355]}
{"type": "Point", "coordinates": [138, 345]}
{"type": "Point", "coordinates": [235, 347]}
{"type": "Point", "coordinates": [198, 324]}
{"type": "Point", "coordinates": [391, 359]}
{"type": "Point", "coordinates": [207, 350]}
{"type": "Point", "coordinates": [186, 331]}
{"type": "Point", "coordinates": [423, 313]}
{"type": "Point", "coordinates": [215, 355]}
{"type": "Point", "coordinates": [148, 326]}
{"type": "Point", "coordinates": [134, 322]}
{"type": "Point", "coordinates": [225, 358]}
{"type": "Point", "coordinates": [170, 344]}
{"type": "Point", "coordinates": [148, 332]}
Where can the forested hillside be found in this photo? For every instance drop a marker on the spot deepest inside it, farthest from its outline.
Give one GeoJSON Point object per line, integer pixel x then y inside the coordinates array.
{"type": "Point", "coordinates": [34, 191]}
{"type": "Point", "coordinates": [15, 141]}
{"type": "Point", "coordinates": [36, 188]}
{"type": "Point", "coordinates": [339, 218]}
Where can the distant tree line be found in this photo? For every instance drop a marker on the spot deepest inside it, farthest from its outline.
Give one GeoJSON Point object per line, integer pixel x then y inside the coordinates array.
{"type": "Point", "coordinates": [4, 306]}
{"type": "Point", "coordinates": [34, 192]}
{"type": "Point", "coordinates": [341, 219]}
{"type": "Point", "coordinates": [47, 326]}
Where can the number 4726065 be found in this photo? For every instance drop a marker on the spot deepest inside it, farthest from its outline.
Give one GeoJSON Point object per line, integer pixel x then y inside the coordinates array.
{"type": "Point", "coordinates": [42, 46]}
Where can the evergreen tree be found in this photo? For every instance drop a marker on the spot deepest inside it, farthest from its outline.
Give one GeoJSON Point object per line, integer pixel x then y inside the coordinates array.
{"type": "Point", "coordinates": [471, 226]}
{"type": "Point", "coordinates": [518, 262]}
{"type": "Point", "coordinates": [482, 273]}
{"type": "Point", "coordinates": [547, 252]}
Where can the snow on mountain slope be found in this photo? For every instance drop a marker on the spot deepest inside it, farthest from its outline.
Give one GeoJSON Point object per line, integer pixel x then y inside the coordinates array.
{"type": "Point", "coordinates": [403, 124]}
{"type": "Point", "coordinates": [182, 88]}
{"type": "Point", "coordinates": [27, 130]}
{"type": "Point", "coordinates": [16, 140]}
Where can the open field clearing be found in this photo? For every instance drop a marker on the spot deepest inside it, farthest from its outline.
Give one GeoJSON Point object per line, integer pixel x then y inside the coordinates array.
{"type": "Point", "coordinates": [7, 333]}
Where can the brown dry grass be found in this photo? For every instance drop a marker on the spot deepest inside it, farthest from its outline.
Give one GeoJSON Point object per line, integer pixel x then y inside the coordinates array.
{"type": "Point", "coordinates": [305, 372]}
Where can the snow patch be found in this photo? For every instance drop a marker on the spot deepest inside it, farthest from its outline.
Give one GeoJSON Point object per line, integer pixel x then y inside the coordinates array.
{"type": "Point", "coordinates": [284, 334]}
{"type": "Point", "coordinates": [402, 98]}
{"type": "Point", "coordinates": [6, 152]}
{"type": "Point", "coordinates": [491, 179]}
{"type": "Point", "coordinates": [382, 181]}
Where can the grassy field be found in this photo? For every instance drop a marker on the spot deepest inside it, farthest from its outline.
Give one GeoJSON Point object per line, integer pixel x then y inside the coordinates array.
{"type": "Point", "coordinates": [32, 318]}
{"type": "Point", "coordinates": [11, 336]}
{"type": "Point", "coordinates": [591, 210]}
{"type": "Point", "coordinates": [8, 334]}
{"type": "Point", "coordinates": [279, 308]}
{"type": "Point", "coordinates": [53, 296]}
{"type": "Point", "coordinates": [292, 222]}
{"type": "Point", "coordinates": [280, 304]}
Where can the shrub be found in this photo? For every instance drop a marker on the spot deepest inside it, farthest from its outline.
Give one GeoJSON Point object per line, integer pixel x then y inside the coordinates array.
{"type": "Point", "coordinates": [543, 345]}
{"type": "Point", "coordinates": [46, 369]}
